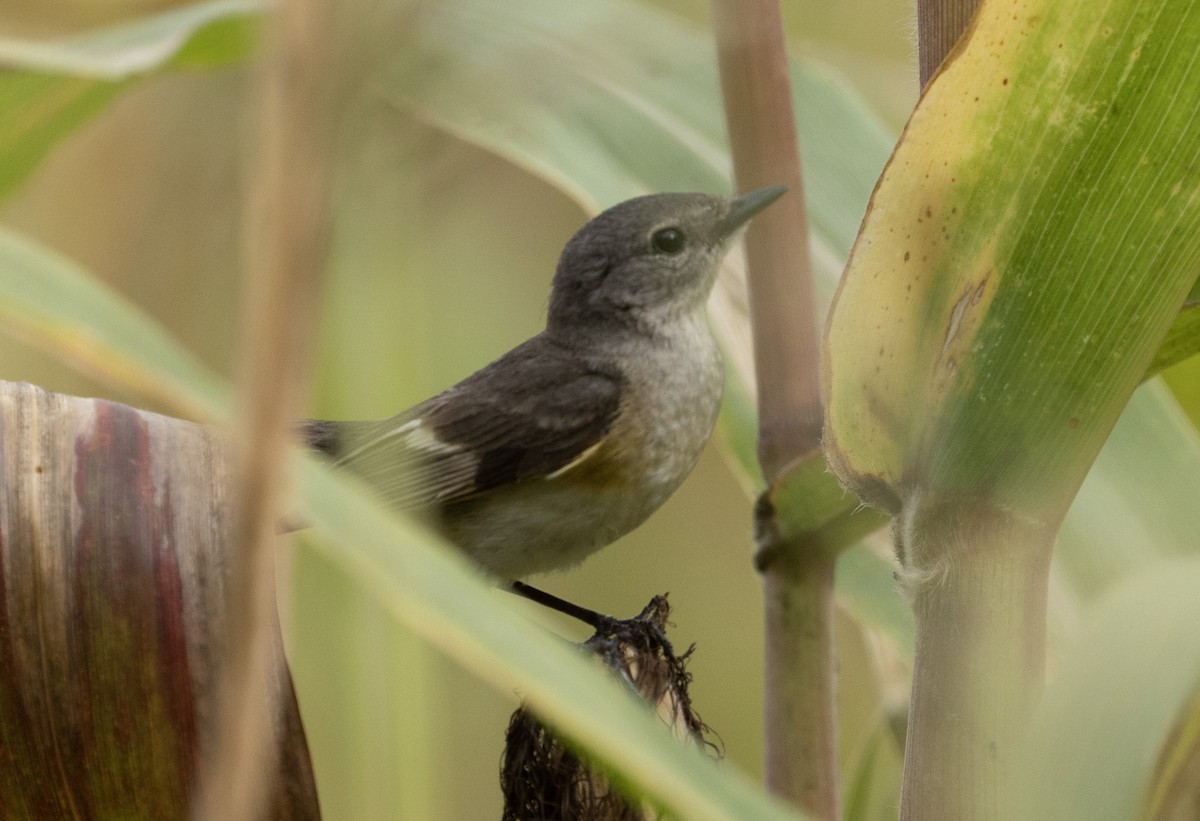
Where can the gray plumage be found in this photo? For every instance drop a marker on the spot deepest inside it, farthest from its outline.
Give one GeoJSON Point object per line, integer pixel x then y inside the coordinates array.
{"type": "Point", "coordinates": [574, 437]}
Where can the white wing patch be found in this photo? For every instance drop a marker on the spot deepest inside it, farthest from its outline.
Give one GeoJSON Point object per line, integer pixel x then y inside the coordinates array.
{"type": "Point", "coordinates": [412, 434]}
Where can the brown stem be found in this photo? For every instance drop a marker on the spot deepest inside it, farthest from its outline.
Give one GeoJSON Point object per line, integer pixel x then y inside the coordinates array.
{"type": "Point", "coordinates": [287, 248]}
{"type": "Point", "coordinates": [762, 135]}
{"type": "Point", "coordinates": [940, 24]}
{"type": "Point", "coordinates": [801, 737]}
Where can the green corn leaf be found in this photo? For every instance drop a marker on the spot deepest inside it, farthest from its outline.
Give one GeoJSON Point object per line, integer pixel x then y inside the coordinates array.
{"type": "Point", "coordinates": [47, 299]}
{"type": "Point", "coordinates": [1137, 506]}
{"type": "Point", "coordinates": [137, 46]}
{"type": "Point", "coordinates": [1183, 339]}
{"type": "Point", "coordinates": [1024, 254]}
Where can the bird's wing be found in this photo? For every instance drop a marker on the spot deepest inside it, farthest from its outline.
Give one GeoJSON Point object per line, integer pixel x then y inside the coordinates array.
{"type": "Point", "coordinates": [530, 414]}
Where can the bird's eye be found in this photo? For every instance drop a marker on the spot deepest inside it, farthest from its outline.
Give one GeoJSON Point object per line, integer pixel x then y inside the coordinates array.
{"type": "Point", "coordinates": [668, 240]}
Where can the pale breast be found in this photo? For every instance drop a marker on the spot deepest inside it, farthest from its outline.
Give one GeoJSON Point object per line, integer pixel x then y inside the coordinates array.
{"type": "Point", "coordinates": [671, 394]}
{"type": "Point", "coordinates": [669, 409]}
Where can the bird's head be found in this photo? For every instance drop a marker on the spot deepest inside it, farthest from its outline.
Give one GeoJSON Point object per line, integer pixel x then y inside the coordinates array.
{"type": "Point", "coordinates": [646, 261]}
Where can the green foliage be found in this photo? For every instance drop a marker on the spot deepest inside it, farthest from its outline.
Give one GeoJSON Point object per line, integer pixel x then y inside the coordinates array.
{"type": "Point", "coordinates": [36, 111]}
{"type": "Point", "coordinates": [1180, 341]}
{"type": "Point", "coordinates": [1026, 251]}
{"type": "Point", "coordinates": [49, 299]}
{"type": "Point", "coordinates": [63, 83]}
{"type": "Point", "coordinates": [992, 268]}
{"type": "Point", "coordinates": [1115, 698]}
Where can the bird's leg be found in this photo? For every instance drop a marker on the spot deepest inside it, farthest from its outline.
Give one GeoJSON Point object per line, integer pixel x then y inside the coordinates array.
{"type": "Point", "coordinates": [597, 621]}
{"type": "Point", "coordinates": [645, 630]}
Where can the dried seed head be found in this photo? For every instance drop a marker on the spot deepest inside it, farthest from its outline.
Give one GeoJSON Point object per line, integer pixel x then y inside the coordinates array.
{"type": "Point", "coordinates": [543, 780]}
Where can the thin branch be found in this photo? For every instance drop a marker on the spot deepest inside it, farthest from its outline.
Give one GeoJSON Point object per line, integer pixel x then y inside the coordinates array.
{"type": "Point", "coordinates": [287, 248]}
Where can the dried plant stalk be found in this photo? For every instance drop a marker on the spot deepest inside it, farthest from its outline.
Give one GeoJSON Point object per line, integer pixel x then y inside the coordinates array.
{"type": "Point", "coordinates": [115, 533]}
{"type": "Point", "coordinates": [542, 778]}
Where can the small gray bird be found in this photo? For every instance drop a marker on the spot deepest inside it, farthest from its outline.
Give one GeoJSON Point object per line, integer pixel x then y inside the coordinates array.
{"type": "Point", "coordinates": [573, 438]}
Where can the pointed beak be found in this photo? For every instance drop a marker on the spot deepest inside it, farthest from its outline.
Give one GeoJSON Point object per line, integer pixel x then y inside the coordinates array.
{"type": "Point", "coordinates": [742, 208]}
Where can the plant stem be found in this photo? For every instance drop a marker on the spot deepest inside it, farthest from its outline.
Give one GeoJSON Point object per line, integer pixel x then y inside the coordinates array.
{"type": "Point", "coordinates": [762, 135]}
{"type": "Point", "coordinates": [800, 682]}
{"type": "Point", "coordinates": [940, 24]}
{"type": "Point", "coordinates": [978, 581]}
{"type": "Point", "coordinates": [287, 248]}
{"type": "Point", "coordinates": [801, 707]}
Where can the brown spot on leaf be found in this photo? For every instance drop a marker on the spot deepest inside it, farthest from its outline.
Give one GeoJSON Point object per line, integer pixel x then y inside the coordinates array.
{"type": "Point", "coordinates": [969, 299]}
